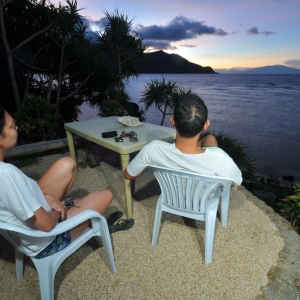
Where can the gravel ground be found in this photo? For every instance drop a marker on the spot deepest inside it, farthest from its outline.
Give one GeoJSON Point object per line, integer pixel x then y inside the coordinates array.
{"type": "Point", "coordinates": [246, 257]}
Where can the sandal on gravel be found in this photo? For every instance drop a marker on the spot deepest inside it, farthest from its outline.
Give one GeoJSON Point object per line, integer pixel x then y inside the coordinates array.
{"type": "Point", "coordinates": [114, 217]}
{"type": "Point", "coordinates": [122, 224]}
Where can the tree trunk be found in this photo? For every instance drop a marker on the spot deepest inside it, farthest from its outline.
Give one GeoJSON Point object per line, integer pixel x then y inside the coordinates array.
{"type": "Point", "coordinates": [49, 92]}
{"type": "Point", "coordinates": [120, 74]}
{"type": "Point", "coordinates": [163, 117]}
{"type": "Point", "coordinates": [10, 62]}
{"type": "Point", "coordinates": [59, 81]}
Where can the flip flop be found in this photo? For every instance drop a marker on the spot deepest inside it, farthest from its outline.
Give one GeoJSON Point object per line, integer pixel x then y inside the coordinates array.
{"type": "Point", "coordinates": [122, 224]}
{"type": "Point", "coordinates": [128, 224]}
{"type": "Point", "coordinates": [114, 217]}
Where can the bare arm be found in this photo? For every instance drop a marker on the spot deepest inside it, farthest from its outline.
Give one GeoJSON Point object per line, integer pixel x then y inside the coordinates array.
{"type": "Point", "coordinates": [129, 177]}
{"type": "Point", "coordinates": [43, 220]}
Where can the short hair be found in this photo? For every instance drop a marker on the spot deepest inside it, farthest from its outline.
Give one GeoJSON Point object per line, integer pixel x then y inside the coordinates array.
{"type": "Point", "coordinates": [2, 119]}
{"type": "Point", "coordinates": [190, 115]}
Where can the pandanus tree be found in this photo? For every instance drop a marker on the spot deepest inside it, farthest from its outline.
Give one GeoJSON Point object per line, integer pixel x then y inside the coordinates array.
{"type": "Point", "coordinates": [123, 49]}
{"type": "Point", "coordinates": [162, 95]}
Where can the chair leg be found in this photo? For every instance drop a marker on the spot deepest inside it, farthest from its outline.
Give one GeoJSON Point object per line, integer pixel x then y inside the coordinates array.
{"type": "Point", "coordinates": [157, 221]}
{"type": "Point", "coordinates": [210, 224]}
{"type": "Point", "coordinates": [46, 278]}
{"type": "Point", "coordinates": [19, 257]}
{"type": "Point", "coordinates": [225, 205]}
{"type": "Point", "coordinates": [108, 247]}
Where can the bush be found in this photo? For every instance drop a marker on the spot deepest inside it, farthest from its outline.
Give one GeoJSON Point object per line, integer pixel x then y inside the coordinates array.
{"type": "Point", "coordinates": [37, 121]}
{"type": "Point", "coordinates": [291, 207]}
{"type": "Point", "coordinates": [120, 105]}
{"type": "Point", "coordinates": [237, 151]}
{"type": "Point", "coordinates": [112, 107]}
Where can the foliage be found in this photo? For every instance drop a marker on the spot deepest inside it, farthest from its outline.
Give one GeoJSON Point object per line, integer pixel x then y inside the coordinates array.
{"type": "Point", "coordinates": [122, 48]}
{"type": "Point", "coordinates": [121, 107]}
{"type": "Point", "coordinates": [272, 184]}
{"type": "Point", "coordinates": [36, 120]}
{"type": "Point", "coordinates": [40, 56]}
{"type": "Point", "coordinates": [291, 207]}
{"type": "Point", "coordinates": [163, 95]}
{"type": "Point", "coordinates": [237, 151]}
{"type": "Point", "coordinates": [46, 50]}
{"type": "Point", "coordinates": [111, 107]}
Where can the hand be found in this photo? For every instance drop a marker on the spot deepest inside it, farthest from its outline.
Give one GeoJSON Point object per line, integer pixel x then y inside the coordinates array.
{"type": "Point", "coordinates": [56, 205]}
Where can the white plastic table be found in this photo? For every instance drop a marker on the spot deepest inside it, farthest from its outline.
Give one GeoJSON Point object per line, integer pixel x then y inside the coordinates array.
{"type": "Point", "coordinates": [91, 130]}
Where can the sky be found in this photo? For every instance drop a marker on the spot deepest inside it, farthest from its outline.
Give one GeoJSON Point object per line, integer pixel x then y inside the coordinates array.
{"type": "Point", "coordinates": [217, 33]}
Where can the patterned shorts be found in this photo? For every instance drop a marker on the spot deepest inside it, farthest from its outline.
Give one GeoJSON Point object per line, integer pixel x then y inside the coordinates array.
{"type": "Point", "coordinates": [60, 242]}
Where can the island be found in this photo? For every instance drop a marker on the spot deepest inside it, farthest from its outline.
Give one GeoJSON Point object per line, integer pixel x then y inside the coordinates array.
{"type": "Point", "coordinates": [160, 62]}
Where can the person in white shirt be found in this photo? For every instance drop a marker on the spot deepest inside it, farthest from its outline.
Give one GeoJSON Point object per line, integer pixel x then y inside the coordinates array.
{"type": "Point", "coordinates": [41, 205]}
{"type": "Point", "coordinates": [189, 152]}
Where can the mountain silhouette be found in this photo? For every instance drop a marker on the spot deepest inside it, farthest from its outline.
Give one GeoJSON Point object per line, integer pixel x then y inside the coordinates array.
{"type": "Point", "coordinates": [159, 62]}
{"type": "Point", "coordinates": [275, 69]}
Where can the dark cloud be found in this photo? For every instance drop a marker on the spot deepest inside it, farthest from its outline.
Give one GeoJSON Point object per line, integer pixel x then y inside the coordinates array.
{"type": "Point", "coordinates": [161, 45]}
{"type": "Point", "coordinates": [188, 46]}
{"type": "Point", "coordinates": [294, 63]}
{"type": "Point", "coordinates": [267, 32]}
{"type": "Point", "coordinates": [254, 30]}
{"type": "Point", "coordinates": [180, 28]}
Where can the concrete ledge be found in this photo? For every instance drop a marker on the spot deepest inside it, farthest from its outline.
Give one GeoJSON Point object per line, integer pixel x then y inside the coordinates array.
{"type": "Point", "coordinates": [284, 278]}
{"type": "Point", "coordinates": [40, 147]}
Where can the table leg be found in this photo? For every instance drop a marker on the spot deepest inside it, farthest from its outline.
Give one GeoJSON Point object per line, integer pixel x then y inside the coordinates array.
{"type": "Point", "coordinates": [71, 148]}
{"type": "Point", "coordinates": [127, 185]}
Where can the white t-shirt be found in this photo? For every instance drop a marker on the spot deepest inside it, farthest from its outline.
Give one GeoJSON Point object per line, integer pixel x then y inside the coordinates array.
{"type": "Point", "coordinates": [20, 197]}
{"type": "Point", "coordinates": [214, 161]}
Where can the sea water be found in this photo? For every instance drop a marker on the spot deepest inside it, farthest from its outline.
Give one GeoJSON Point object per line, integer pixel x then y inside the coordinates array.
{"type": "Point", "coordinates": [262, 111]}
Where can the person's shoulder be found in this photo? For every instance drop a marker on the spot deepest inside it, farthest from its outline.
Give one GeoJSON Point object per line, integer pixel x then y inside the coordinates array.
{"type": "Point", "coordinates": [7, 166]}
{"type": "Point", "coordinates": [158, 143]}
{"type": "Point", "coordinates": [216, 151]}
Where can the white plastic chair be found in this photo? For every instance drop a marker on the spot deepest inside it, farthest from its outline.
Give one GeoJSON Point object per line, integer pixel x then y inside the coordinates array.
{"type": "Point", "coordinates": [194, 196]}
{"type": "Point", "coordinates": [48, 266]}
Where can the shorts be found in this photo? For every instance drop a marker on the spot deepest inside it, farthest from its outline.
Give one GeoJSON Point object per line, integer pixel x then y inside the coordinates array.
{"type": "Point", "coordinates": [60, 242]}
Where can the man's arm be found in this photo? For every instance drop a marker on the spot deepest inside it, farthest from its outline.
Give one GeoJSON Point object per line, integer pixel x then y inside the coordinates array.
{"type": "Point", "coordinates": [129, 177]}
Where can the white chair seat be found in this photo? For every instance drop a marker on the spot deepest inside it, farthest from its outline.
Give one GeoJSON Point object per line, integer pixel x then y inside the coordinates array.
{"type": "Point", "coordinates": [48, 266]}
{"type": "Point", "coordinates": [194, 196]}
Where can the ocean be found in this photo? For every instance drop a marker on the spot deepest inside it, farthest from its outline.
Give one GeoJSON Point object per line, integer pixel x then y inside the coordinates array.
{"type": "Point", "coordinates": [262, 111]}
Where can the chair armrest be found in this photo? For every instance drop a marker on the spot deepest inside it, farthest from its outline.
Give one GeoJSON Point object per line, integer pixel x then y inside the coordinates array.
{"type": "Point", "coordinates": [59, 228]}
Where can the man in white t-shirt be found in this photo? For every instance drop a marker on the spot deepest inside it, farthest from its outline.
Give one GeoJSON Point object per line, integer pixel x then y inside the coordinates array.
{"type": "Point", "coordinates": [189, 152]}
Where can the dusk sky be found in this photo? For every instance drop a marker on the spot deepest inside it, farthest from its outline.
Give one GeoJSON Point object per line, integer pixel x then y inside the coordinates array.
{"type": "Point", "coordinates": [217, 33]}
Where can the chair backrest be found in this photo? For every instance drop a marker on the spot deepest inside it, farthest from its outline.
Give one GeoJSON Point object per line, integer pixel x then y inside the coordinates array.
{"type": "Point", "coordinates": [187, 191]}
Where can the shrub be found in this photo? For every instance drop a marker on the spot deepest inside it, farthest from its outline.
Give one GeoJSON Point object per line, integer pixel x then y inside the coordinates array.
{"type": "Point", "coordinates": [237, 151]}
{"type": "Point", "coordinates": [37, 121]}
{"type": "Point", "coordinates": [291, 207]}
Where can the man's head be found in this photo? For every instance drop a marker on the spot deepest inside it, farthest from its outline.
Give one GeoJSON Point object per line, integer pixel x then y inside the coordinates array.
{"type": "Point", "coordinates": [190, 115]}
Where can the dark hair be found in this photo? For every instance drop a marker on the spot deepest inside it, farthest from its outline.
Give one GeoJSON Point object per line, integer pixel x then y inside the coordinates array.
{"type": "Point", "coordinates": [2, 119]}
{"type": "Point", "coordinates": [190, 115]}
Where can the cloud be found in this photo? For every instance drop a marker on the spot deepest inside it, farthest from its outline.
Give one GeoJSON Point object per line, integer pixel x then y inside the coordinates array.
{"type": "Point", "coordinates": [180, 28]}
{"type": "Point", "coordinates": [161, 45]}
{"type": "Point", "coordinates": [254, 30]}
{"type": "Point", "coordinates": [188, 46]}
{"type": "Point", "coordinates": [294, 63]}
{"type": "Point", "coordinates": [267, 32]}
